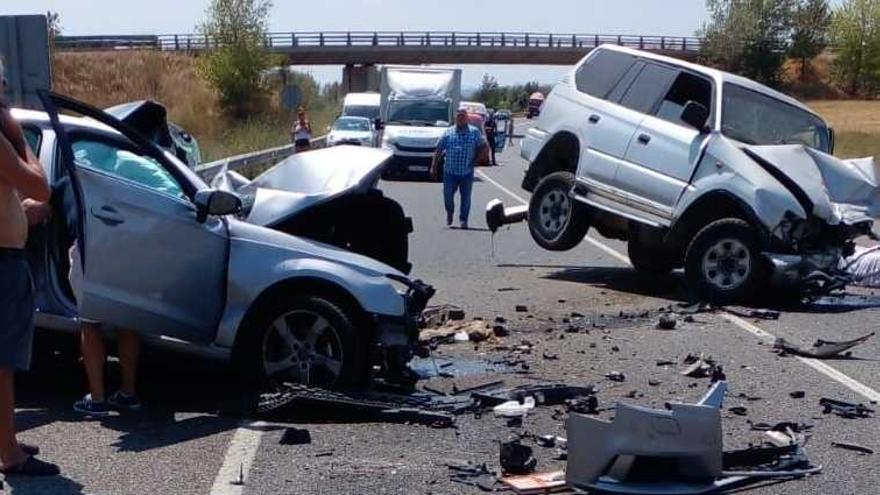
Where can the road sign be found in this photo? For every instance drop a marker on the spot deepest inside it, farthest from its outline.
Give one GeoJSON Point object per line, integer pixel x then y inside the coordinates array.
{"type": "Point", "coordinates": [291, 97]}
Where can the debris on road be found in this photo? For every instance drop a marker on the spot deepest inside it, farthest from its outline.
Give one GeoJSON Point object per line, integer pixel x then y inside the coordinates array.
{"type": "Point", "coordinates": [854, 447]}
{"type": "Point", "coordinates": [864, 266]}
{"type": "Point", "coordinates": [474, 475]}
{"type": "Point", "coordinates": [514, 409]}
{"type": "Point", "coordinates": [822, 349]}
{"type": "Point", "coordinates": [616, 376]}
{"type": "Point", "coordinates": [295, 436]}
{"type": "Point", "coordinates": [522, 308]}
{"type": "Point", "coordinates": [457, 331]}
{"type": "Point", "coordinates": [516, 458]}
{"type": "Point", "coordinates": [537, 483]}
{"type": "Point", "coordinates": [667, 322]}
{"type": "Point", "coordinates": [436, 316]}
{"type": "Point", "coordinates": [797, 394]}
{"type": "Point", "coordinates": [583, 405]}
{"type": "Point", "coordinates": [845, 409]}
{"type": "Point", "coordinates": [702, 367]}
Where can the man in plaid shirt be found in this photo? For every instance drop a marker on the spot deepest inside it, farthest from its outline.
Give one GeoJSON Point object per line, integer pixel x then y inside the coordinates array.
{"type": "Point", "coordinates": [463, 145]}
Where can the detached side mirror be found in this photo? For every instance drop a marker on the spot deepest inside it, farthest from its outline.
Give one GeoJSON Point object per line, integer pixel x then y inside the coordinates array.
{"type": "Point", "coordinates": [215, 202]}
{"type": "Point", "coordinates": [695, 115]}
{"type": "Point", "coordinates": [378, 124]}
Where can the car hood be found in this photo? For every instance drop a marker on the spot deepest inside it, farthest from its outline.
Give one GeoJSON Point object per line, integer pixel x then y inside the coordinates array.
{"type": "Point", "coordinates": [837, 191]}
{"type": "Point", "coordinates": [299, 247]}
{"type": "Point", "coordinates": [305, 180]}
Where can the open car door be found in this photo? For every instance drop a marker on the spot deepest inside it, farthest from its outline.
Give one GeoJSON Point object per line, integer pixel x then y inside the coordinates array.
{"type": "Point", "coordinates": [149, 263]}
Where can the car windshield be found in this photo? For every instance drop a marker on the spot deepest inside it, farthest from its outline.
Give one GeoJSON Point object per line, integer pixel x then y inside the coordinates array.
{"type": "Point", "coordinates": [419, 112]}
{"type": "Point", "coordinates": [754, 118]}
{"type": "Point", "coordinates": [352, 125]}
{"type": "Point", "coordinates": [368, 111]}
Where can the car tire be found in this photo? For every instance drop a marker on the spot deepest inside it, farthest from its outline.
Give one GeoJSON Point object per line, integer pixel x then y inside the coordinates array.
{"type": "Point", "coordinates": [648, 259]}
{"type": "Point", "coordinates": [321, 346]}
{"type": "Point", "coordinates": [723, 262]}
{"type": "Point", "coordinates": [556, 221]}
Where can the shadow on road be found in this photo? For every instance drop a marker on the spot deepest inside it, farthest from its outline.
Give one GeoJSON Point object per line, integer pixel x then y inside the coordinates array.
{"type": "Point", "coordinates": [55, 485]}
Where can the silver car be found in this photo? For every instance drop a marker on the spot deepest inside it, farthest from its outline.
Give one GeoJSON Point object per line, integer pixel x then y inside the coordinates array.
{"type": "Point", "coordinates": [175, 265]}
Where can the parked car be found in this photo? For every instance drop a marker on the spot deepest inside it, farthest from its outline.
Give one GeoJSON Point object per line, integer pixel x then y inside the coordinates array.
{"type": "Point", "coordinates": [695, 168]}
{"type": "Point", "coordinates": [179, 268]}
{"type": "Point", "coordinates": [352, 130]}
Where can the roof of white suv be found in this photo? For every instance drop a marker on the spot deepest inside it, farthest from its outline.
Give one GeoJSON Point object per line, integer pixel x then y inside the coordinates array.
{"type": "Point", "coordinates": [717, 75]}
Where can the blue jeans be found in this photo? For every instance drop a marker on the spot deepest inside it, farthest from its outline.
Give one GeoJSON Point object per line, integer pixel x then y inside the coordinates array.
{"type": "Point", "coordinates": [462, 183]}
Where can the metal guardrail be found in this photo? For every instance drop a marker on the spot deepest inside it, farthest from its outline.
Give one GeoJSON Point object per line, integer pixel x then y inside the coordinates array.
{"type": "Point", "coordinates": [282, 41]}
{"type": "Point", "coordinates": [240, 163]}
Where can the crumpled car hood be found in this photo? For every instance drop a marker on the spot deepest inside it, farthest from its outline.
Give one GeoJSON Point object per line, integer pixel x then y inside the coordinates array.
{"type": "Point", "coordinates": [841, 191]}
{"type": "Point", "coordinates": [305, 180]}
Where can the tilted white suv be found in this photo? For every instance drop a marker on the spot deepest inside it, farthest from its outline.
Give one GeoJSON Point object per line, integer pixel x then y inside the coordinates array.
{"type": "Point", "coordinates": [697, 168]}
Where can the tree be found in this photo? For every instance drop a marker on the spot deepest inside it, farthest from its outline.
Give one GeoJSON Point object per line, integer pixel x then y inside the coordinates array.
{"type": "Point", "coordinates": [489, 92]}
{"type": "Point", "coordinates": [749, 37]}
{"type": "Point", "coordinates": [855, 34]}
{"type": "Point", "coordinates": [235, 66]}
{"type": "Point", "coordinates": [53, 24]}
{"type": "Point", "coordinates": [812, 19]}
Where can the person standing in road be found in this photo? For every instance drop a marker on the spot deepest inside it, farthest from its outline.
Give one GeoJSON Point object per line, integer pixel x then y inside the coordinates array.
{"type": "Point", "coordinates": [21, 177]}
{"type": "Point", "coordinates": [301, 131]}
{"type": "Point", "coordinates": [491, 127]}
{"type": "Point", "coordinates": [461, 147]}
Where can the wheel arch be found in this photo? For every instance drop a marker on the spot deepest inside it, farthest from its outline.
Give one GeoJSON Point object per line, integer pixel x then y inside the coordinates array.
{"type": "Point", "coordinates": [712, 206]}
{"type": "Point", "coordinates": [560, 153]}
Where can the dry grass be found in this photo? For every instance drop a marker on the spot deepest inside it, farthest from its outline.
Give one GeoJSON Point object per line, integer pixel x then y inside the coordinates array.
{"type": "Point", "coordinates": [856, 123]}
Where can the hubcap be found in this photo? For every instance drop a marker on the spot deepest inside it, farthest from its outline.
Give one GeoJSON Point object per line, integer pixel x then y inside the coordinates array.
{"type": "Point", "coordinates": [303, 347]}
{"type": "Point", "coordinates": [727, 264]}
{"type": "Point", "coordinates": [555, 212]}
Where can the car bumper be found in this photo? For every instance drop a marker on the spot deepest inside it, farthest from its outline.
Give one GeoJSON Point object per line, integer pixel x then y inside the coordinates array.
{"type": "Point", "coordinates": [397, 337]}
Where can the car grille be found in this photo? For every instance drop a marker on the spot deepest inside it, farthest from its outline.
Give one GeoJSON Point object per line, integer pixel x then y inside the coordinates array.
{"type": "Point", "coordinates": [415, 149]}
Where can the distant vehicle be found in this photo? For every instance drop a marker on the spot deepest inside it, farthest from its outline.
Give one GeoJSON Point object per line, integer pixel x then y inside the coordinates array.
{"type": "Point", "coordinates": [536, 102]}
{"type": "Point", "coordinates": [502, 122]}
{"type": "Point", "coordinates": [352, 130]}
{"type": "Point", "coordinates": [361, 105]}
{"type": "Point", "coordinates": [696, 168]}
{"type": "Point", "coordinates": [198, 270]}
{"type": "Point", "coordinates": [418, 105]}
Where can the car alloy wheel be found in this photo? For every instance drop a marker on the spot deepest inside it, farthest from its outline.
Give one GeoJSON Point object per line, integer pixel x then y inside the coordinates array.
{"type": "Point", "coordinates": [555, 212]}
{"type": "Point", "coordinates": [726, 265]}
{"type": "Point", "coordinates": [302, 346]}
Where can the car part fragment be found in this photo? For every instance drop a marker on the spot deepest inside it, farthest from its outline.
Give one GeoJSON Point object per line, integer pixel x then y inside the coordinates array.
{"type": "Point", "coordinates": [673, 451]}
{"type": "Point", "coordinates": [821, 349]}
{"type": "Point", "coordinates": [844, 408]}
{"type": "Point", "coordinates": [516, 458]}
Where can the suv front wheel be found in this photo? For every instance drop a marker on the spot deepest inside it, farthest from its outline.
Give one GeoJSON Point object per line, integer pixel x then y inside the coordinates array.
{"type": "Point", "coordinates": [722, 263]}
{"type": "Point", "coordinates": [556, 221]}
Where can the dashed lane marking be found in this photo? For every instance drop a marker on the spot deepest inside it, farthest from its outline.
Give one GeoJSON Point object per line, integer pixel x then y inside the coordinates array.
{"type": "Point", "coordinates": [829, 371]}
{"type": "Point", "coordinates": [233, 474]}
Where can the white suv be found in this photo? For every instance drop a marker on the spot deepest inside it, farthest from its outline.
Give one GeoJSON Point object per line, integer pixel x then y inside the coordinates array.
{"type": "Point", "coordinates": [697, 168]}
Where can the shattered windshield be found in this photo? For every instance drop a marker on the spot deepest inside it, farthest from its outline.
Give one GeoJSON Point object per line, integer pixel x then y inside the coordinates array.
{"type": "Point", "coordinates": [754, 118]}
{"type": "Point", "coordinates": [419, 112]}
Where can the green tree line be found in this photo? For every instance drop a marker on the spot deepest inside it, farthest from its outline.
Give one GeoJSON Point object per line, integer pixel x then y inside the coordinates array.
{"type": "Point", "coordinates": [514, 98]}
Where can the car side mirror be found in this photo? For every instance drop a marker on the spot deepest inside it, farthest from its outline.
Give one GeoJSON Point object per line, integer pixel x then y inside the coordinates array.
{"type": "Point", "coordinates": [215, 202]}
{"type": "Point", "coordinates": [831, 136]}
{"type": "Point", "coordinates": [695, 115]}
{"type": "Point", "coordinates": [378, 124]}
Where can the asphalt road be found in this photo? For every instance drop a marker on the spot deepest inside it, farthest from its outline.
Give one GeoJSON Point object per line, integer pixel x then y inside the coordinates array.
{"type": "Point", "coordinates": [182, 446]}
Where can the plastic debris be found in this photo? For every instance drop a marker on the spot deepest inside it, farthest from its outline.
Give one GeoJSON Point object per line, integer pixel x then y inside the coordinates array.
{"type": "Point", "coordinates": [845, 409]}
{"type": "Point", "coordinates": [537, 483]}
{"type": "Point", "coordinates": [514, 409]}
{"type": "Point", "coordinates": [854, 447]}
{"type": "Point", "coordinates": [822, 349]}
{"type": "Point", "coordinates": [667, 322]}
{"type": "Point", "coordinates": [516, 458]}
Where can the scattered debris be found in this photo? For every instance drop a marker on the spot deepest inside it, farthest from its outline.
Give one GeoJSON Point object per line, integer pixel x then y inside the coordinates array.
{"type": "Point", "coordinates": [739, 411]}
{"type": "Point", "coordinates": [516, 458]}
{"type": "Point", "coordinates": [844, 409]}
{"type": "Point", "coordinates": [295, 436]}
{"type": "Point", "coordinates": [508, 289]}
{"type": "Point", "coordinates": [514, 409]}
{"type": "Point", "coordinates": [500, 330]}
{"type": "Point", "coordinates": [522, 308]}
{"type": "Point", "coordinates": [653, 382]}
{"type": "Point", "coordinates": [326, 453]}
{"type": "Point", "coordinates": [436, 316]}
{"type": "Point", "coordinates": [693, 308]}
{"type": "Point", "coordinates": [538, 483]}
{"type": "Point", "coordinates": [474, 475]}
{"type": "Point", "coordinates": [550, 357]}
{"type": "Point", "coordinates": [822, 349]}
{"type": "Point", "coordinates": [702, 367]}
{"type": "Point", "coordinates": [461, 336]}
{"type": "Point", "coordinates": [456, 331]}
{"type": "Point", "coordinates": [616, 376]}
{"type": "Point", "coordinates": [854, 447]}
{"type": "Point", "coordinates": [797, 394]}
{"type": "Point", "coordinates": [548, 394]}
{"type": "Point", "coordinates": [667, 322]}
{"type": "Point", "coordinates": [583, 405]}
{"type": "Point", "coordinates": [760, 314]}
{"type": "Point", "coordinates": [864, 266]}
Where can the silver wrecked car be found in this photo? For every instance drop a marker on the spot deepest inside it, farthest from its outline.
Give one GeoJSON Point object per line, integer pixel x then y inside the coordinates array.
{"type": "Point", "coordinates": [695, 168]}
{"type": "Point", "coordinates": [179, 268]}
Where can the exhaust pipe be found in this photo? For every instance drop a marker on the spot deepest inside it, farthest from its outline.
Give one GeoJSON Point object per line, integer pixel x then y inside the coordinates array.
{"type": "Point", "coordinates": [497, 215]}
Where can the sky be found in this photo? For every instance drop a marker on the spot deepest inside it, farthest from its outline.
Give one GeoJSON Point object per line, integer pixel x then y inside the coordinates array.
{"type": "Point", "coordinates": [647, 17]}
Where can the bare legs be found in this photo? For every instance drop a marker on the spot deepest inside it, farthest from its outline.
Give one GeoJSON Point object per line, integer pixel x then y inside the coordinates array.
{"type": "Point", "coordinates": [95, 355]}
{"type": "Point", "coordinates": [10, 452]}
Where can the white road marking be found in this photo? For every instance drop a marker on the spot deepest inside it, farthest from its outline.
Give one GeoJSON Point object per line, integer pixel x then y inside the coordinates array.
{"type": "Point", "coordinates": [831, 372]}
{"type": "Point", "coordinates": [238, 459]}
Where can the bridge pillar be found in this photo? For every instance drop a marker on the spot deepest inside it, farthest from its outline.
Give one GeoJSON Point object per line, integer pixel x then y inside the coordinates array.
{"type": "Point", "coordinates": [360, 78]}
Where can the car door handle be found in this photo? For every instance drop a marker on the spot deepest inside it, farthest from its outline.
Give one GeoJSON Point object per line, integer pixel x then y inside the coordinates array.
{"type": "Point", "coordinates": [644, 138]}
{"type": "Point", "coordinates": [594, 119]}
{"type": "Point", "coordinates": [108, 215]}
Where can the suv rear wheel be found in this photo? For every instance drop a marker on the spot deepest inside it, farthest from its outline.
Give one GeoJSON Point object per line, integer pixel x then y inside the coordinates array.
{"type": "Point", "coordinates": [723, 264]}
{"type": "Point", "coordinates": [556, 221]}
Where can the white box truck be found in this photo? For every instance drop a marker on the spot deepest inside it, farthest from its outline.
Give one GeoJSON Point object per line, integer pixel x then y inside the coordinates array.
{"type": "Point", "coordinates": [418, 104]}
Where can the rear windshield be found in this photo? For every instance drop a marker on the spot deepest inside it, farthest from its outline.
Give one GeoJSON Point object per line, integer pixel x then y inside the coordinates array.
{"type": "Point", "coordinates": [368, 111]}
{"type": "Point", "coordinates": [755, 118]}
{"type": "Point", "coordinates": [345, 124]}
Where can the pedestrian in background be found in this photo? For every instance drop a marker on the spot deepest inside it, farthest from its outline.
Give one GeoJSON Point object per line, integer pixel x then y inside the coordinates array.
{"type": "Point", "coordinates": [460, 147]}
{"type": "Point", "coordinates": [21, 179]}
{"type": "Point", "coordinates": [491, 127]}
{"type": "Point", "coordinates": [301, 131]}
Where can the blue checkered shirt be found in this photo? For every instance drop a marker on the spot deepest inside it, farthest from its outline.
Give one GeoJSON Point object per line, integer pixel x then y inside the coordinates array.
{"type": "Point", "coordinates": [461, 150]}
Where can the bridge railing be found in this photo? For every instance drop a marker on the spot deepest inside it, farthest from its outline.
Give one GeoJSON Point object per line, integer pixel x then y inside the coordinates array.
{"type": "Point", "coordinates": [284, 41]}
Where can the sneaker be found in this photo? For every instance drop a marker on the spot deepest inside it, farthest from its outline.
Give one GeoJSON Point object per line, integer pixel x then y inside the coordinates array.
{"type": "Point", "coordinates": [122, 402]}
{"type": "Point", "coordinates": [89, 407]}
{"type": "Point", "coordinates": [464, 226]}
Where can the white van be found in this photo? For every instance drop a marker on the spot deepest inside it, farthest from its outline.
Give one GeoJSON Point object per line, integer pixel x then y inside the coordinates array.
{"type": "Point", "coordinates": [361, 105]}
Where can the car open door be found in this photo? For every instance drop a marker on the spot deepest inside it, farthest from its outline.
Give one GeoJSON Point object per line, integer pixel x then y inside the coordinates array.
{"type": "Point", "coordinates": [149, 264]}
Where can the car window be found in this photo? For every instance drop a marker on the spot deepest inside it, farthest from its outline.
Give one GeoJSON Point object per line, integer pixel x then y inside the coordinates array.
{"type": "Point", "coordinates": [33, 137]}
{"type": "Point", "coordinates": [687, 87]}
{"type": "Point", "coordinates": [121, 162]}
{"type": "Point", "coordinates": [647, 89]}
{"type": "Point", "coordinates": [598, 75]}
{"type": "Point", "coordinates": [625, 82]}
